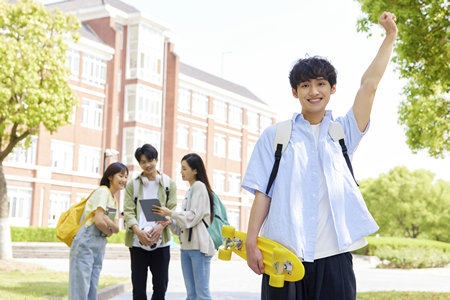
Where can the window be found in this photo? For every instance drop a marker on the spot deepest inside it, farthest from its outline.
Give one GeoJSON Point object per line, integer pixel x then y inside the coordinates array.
{"type": "Point", "coordinates": [234, 183]}
{"type": "Point", "coordinates": [21, 156]}
{"type": "Point", "coordinates": [235, 116]}
{"type": "Point", "coordinates": [136, 137]}
{"type": "Point", "coordinates": [19, 200]}
{"type": "Point", "coordinates": [62, 155]}
{"type": "Point", "coordinates": [233, 217]}
{"type": "Point", "coordinates": [183, 137]}
{"type": "Point", "coordinates": [143, 104]}
{"type": "Point", "coordinates": [199, 140]}
{"type": "Point", "coordinates": [234, 149]}
{"type": "Point", "coordinates": [199, 105]}
{"type": "Point", "coordinates": [59, 203]}
{"type": "Point", "coordinates": [220, 145]}
{"type": "Point", "coordinates": [150, 49]}
{"type": "Point", "coordinates": [94, 70]}
{"type": "Point", "coordinates": [92, 114]}
{"type": "Point", "coordinates": [184, 100]}
{"type": "Point", "coordinates": [73, 62]}
{"type": "Point", "coordinates": [220, 111]}
{"type": "Point", "coordinates": [132, 34]}
{"type": "Point", "coordinates": [265, 122]}
{"type": "Point", "coordinates": [89, 160]}
{"type": "Point", "coordinates": [250, 147]}
{"type": "Point", "coordinates": [219, 181]}
{"type": "Point", "coordinates": [252, 121]}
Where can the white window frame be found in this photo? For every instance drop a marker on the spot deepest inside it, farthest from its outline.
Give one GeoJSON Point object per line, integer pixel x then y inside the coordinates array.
{"type": "Point", "coordinates": [220, 111]}
{"type": "Point", "coordinates": [92, 114]}
{"type": "Point", "coordinates": [233, 216]}
{"type": "Point", "coordinates": [235, 119]}
{"type": "Point", "coordinates": [234, 149]}
{"type": "Point", "coordinates": [200, 104]}
{"type": "Point", "coordinates": [20, 200]}
{"type": "Point", "coordinates": [250, 147]}
{"type": "Point", "coordinates": [61, 154]}
{"type": "Point", "coordinates": [89, 159]}
{"type": "Point", "coordinates": [220, 145]}
{"type": "Point", "coordinates": [150, 54]}
{"type": "Point", "coordinates": [143, 104]}
{"type": "Point", "coordinates": [234, 183]}
{"type": "Point", "coordinates": [94, 70]}
{"type": "Point", "coordinates": [264, 122]}
{"type": "Point", "coordinates": [25, 157]}
{"type": "Point", "coordinates": [182, 136]}
{"type": "Point", "coordinates": [199, 140]}
{"type": "Point", "coordinates": [184, 100]}
{"type": "Point", "coordinates": [219, 181]}
{"type": "Point", "coordinates": [252, 121]}
{"type": "Point", "coordinates": [59, 203]}
{"type": "Point", "coordinates": [73, 62]}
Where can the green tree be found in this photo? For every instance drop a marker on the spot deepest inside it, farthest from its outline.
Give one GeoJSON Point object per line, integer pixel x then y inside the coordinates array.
{"type": "Point", "coordinates": [408, 203]}
{"type": "Point", "coordinates": [422, 57]}
{"type": "Point", "coordinates": [34, 90]}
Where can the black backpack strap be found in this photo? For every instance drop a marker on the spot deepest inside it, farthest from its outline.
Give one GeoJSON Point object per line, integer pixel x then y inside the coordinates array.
{"type": "Point", "coordinates": [276, 164]}
{"type": "Point", "coordinates": [347, 159]}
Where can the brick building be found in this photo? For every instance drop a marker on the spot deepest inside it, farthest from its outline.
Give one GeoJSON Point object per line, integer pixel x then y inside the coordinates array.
{"type": "Point", "coordinates": [133, 89]}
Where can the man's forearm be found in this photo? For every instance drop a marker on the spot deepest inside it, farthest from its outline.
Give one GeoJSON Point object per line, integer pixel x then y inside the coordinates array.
{"type": "Point", "coordinates": [258, 214]}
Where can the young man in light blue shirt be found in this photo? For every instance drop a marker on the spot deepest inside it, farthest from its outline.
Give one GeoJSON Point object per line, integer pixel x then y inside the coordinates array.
{"type": "Point", "coordinates": [314, 207]}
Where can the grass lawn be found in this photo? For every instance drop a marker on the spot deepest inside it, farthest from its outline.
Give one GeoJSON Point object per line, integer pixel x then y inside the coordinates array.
{"type": "Point", "coordinates": [394, 295]}
{"type": "Point", "coordinates": [27, 281]}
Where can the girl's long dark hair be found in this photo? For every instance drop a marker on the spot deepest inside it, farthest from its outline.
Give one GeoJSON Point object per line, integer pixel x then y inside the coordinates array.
{"type": "Point", "coordinates": [195, 162]}
{"type": "Point", "coordinates": [112, 170]}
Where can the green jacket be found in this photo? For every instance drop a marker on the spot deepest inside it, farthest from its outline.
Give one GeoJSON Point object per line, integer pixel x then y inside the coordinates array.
{"type": "Point", "coordinates": [131, 212]}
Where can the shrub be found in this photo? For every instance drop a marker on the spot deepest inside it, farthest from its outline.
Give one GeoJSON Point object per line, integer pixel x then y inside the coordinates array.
{"type": "Point", "coordinates": [407, 253]}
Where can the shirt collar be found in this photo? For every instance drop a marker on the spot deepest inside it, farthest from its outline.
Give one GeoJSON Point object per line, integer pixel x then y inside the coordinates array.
{"type": "Point", "coordinates": [298, 117]}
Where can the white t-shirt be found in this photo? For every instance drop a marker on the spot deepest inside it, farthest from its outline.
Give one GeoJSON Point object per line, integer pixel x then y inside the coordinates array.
{"type": "Point", "coordinates": [326, 238]}
{"type": "Point", "coordinates": [149, 191]}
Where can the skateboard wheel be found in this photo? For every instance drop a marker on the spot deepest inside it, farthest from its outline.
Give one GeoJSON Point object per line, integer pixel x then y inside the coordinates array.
{"type": "Point", "coordinates": [228, 231]}
{"type": "Point", "coordinates": [276, 280]}
{"type": "Point", "coordinates": [225, 254]}
{"type": "Point", "coordinates": [280, 255]}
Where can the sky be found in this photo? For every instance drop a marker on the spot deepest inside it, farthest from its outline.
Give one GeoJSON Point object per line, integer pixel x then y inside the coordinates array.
{"type": "Point", "coordinates": [255, 43]}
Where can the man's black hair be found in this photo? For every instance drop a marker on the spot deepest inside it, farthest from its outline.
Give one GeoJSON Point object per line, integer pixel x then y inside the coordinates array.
{"type": "Point", "coordinates": [312, 68]}
{"type": "Point", "coordinates": [148, 150]}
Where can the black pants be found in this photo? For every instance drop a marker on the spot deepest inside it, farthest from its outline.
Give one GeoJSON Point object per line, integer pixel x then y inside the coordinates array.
{"type": "Point", "coordinates": [158, 262]}
{"type": "Point", "coordinates": [327, 278]}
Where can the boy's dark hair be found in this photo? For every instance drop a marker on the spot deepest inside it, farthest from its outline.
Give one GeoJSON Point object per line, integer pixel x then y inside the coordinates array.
{"type": "Point", "coordinates": [148, 150]}
{"type": "Point", "coordinates": [312, 68]}
{"type": "Point", "coordinates": [195, 162]}
{"type": "Point", "coordinates": [112, 170]}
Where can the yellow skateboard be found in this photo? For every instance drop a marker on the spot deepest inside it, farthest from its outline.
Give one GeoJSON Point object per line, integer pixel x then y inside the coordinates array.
{"type": "Point", "coordinates": [279, 263]}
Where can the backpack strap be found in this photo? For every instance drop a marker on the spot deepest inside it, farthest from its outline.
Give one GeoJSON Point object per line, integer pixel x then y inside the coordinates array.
{"type": "Point", "coordinates": [165, 180]}
{"type": "Point", "coordinates": [337, 134]}
{"type": "Point", "coordinates": [282, 137]}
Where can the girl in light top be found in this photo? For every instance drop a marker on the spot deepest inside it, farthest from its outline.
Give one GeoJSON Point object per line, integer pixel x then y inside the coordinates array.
{"type": "Point", "coordinates": [88, 247]}
{"type": "Point", "coordinates": [197, 247]}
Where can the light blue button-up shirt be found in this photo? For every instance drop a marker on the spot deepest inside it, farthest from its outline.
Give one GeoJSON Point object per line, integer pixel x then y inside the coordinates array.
{"type": "Point", "coordinates": [292, 217]}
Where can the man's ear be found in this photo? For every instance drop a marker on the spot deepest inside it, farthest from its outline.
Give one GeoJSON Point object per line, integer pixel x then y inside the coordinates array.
{"type": "Point", "coordinates": [333, 89]}
{"type": "Point", "coordinates": [294, 93]}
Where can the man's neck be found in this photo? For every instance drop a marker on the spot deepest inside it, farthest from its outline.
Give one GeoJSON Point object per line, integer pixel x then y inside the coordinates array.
{"type": "Point", "coordinates": [150, 176]}
{"type": "Point", "coordinates": [314, 118]}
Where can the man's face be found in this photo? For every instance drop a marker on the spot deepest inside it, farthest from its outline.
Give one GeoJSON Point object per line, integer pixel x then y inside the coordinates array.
{"type": "Point", "coordinates": [314, 95]}
{"type": "Point", "coordinates": [148, 165]}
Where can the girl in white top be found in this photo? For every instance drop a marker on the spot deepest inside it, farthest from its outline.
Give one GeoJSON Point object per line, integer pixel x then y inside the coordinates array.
{"type": "Point", "coordinates": [197, 246]}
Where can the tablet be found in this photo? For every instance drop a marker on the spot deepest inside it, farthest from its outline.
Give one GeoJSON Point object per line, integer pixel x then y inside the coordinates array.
{"type": "Point", "coordinates": [147, 206]}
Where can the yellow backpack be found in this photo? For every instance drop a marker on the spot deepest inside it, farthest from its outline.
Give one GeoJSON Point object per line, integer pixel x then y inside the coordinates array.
{"type": "Point", "coordinates": [69, 221]}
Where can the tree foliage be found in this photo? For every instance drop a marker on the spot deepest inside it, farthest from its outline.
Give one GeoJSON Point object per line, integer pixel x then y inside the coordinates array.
{"type": "Point", "coordinates": [409, 203]}
{"type": "Point", "coordinates": [422, 57]}
{"type": "Point", "coordinates": [34, 89]}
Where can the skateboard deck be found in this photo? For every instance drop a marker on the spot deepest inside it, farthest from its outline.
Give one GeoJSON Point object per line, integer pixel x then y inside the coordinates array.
{"type": "Point", "coordinates": [279, 262]}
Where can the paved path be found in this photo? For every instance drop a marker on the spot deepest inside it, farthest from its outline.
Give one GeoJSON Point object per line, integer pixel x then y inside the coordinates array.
{"type": "Point", "coordinates": [234, 280]}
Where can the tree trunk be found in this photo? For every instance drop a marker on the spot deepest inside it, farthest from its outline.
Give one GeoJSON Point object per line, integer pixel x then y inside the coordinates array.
{"type": "Point", "coordinates": [5, 231]}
